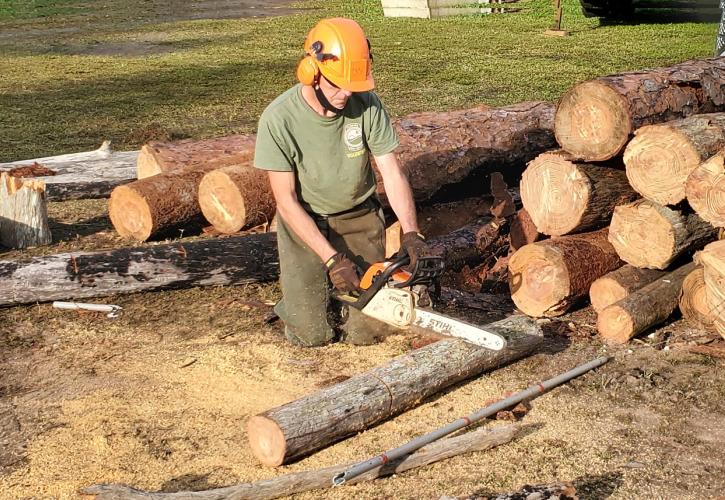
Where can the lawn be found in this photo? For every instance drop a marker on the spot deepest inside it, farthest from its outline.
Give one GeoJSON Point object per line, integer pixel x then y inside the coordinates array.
{"type": "Point", "coordinates": [77, 72]}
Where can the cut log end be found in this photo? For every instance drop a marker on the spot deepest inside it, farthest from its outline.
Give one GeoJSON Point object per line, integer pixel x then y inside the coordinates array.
{"type": "Point", "coordinates": [615, 325]}
{"type": "Point", "coordinates": [130, 213]}
{"type": "Point", "coordinates": [658, 161]}
{"type": "Point", "coordinates": [705, 190]}
{"type": "Point", "coordinates": [693, 301]}
{"type": "Point", "coordinates": [538, 280]}
{"type": "Point", "coordinates": [592, 121]}
{"type": "Point", "coordinates": [221, 202]}
{"type": "Point", "coordinates": [267, 440]}
{"type": "Point", "coordinates": [604, 292]}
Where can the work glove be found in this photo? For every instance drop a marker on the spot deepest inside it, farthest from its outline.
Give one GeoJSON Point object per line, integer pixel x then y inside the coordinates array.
{"type": "Point", "coordinates": [413, 244]}
{"type": "Point", "coordinates": [343, 273]}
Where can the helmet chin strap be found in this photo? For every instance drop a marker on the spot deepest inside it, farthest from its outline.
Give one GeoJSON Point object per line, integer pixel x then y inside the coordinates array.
{"type": "Point", "coordinates": [323, 100]}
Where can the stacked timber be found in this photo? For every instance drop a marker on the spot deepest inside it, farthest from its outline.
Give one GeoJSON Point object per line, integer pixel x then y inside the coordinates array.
{"type": "Point", "coordinates": [712, 259]}
{"type": "Point", "coordinates": [705, 189]}
{"type": "Point", "coordinates": [694, 305]}
{"type": "Point", "coordinates": [614, 286]}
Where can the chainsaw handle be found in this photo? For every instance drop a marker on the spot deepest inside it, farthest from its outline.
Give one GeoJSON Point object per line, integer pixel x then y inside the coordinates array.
{"type": "Point", "coordinates": [363, 298]}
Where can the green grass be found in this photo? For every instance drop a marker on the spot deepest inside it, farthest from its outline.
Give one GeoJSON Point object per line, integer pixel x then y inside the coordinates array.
{"type": "Point", "coordinates": [75, 73]}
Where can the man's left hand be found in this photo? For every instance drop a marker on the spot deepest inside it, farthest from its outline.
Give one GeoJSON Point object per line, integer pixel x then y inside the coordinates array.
{"type": "Point", "coordinates": [413, 244]}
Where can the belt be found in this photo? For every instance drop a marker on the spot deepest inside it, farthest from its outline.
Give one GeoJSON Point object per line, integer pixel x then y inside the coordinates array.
{"type": "Point", "coordinates": [372, 202]}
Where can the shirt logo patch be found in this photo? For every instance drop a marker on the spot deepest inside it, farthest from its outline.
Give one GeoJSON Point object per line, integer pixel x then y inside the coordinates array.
{"type": "Point", "coordinates": [353, 137]}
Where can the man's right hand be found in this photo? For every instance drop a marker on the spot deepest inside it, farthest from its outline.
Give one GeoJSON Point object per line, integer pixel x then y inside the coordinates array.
{"type": "Point", "coordinates": [343, 273]}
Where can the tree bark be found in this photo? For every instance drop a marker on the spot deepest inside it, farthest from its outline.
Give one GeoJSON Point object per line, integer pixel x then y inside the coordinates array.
{"type": "Point", "coordinates": [646, 234]}
{"type": "Point", "coordinates": [693, 301]}
{"type": "Point", "coordinates": [298, 428]}
{"type": "Point", "coordinates": [563, 196]}
{"type": "Point", "coordinates": [23, 213]}
{"type": "Point", "coordinates": [523, 231]}
{"type": "Point", "coordinates": [614, 286]}
{"type": "Point", "coordinates": [661, 157]}
{"type": "Point", "coordinates": [595, 118]}
{"type": "Point", "coordinates": [193, 154]}
{"type": "Point", "coordinates": [712, 259]}
{"type": "Point", "coordinates": [547, 277]}
{"type": "Point", "coordinates": [705, 190]}
{"type": "Point", "coordinates": [223, 261]}
{"type": "Point", "coordinates": [642, 309]}
{"type": "Point", "coordinates": [156, 204]}
{"type": "Point", "coordinates": [465, 246]}
{"type": "Point", "coordinates": [236, 196]}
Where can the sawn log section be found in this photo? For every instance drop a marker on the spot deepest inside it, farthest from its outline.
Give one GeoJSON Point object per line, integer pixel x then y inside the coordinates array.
{"type": "Point", "coordinates": [300, 427]}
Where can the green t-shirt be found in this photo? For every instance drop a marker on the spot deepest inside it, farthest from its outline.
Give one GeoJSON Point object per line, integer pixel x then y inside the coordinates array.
{"type": "Point", "coordinates": [329, 155]}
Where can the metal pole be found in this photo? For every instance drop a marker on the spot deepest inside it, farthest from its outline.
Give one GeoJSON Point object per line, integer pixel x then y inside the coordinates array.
{"type": "Point", "coordinates": [417, 443]}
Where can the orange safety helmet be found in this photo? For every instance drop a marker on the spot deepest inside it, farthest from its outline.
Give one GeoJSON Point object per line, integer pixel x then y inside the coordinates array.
{"type": "Point", "coordinates": [338, 49]}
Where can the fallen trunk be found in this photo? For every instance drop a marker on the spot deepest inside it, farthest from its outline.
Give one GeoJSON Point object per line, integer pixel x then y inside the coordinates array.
{"type": "Point", "coordinates": [595, 119]}
{"type": "Point", "coordinates": [297, 482]}
{"type": "Point", "coordinates": [465, 246]}
{"type": "Point", "coordinates": [643, 308]}
{"type": "Point", "coordinates": [712, 259]}
{"type": "Point", "coordinates": [193, 154]}
{"type": "Point", "coordinates": [563, 196]}
{"type": "Point", "coordinates": [661, 157]}
{"type": "Point", "coordinates": [646, 234]}
{"type": "Point", "coordinates": [300, 427]}
{"type": "Point", "coordinates": [614, 286]}
{"type": "Point", "coordinates": [23, 213]}
{"type": "Point", "coordinates": [236, 196]}
{"type": "Point", "coordinates": [705, 190]}
{"type": "Point", "coordinates": [547, 277]}
{"type": "Point", "coordinates": [223, 261]}
{"type": "Point", "coordinates": [693, 301]}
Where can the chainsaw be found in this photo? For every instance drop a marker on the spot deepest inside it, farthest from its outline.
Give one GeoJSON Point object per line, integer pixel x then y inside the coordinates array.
{"type": "Point", "coordinates": [401, 298]}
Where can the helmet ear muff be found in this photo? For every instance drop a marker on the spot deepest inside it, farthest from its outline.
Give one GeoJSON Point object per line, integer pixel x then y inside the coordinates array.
{"type": "Point", "coordinates": [307, 70]}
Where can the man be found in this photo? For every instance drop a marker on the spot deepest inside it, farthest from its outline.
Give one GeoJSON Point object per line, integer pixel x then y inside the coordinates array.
{"type": "Point", "coordinates": [315, 141]}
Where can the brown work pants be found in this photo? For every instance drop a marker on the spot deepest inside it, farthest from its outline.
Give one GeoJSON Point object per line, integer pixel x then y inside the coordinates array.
{"type": "Point", "coordinates": [310, 316]}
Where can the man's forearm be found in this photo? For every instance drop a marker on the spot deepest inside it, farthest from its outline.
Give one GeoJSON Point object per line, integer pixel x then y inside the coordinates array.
{"type": "Point", "coordinates": [401, 201]}
{"type": "Point", "coordinates": [305, 228]}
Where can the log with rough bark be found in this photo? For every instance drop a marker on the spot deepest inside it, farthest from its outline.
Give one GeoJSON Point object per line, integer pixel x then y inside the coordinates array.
{"type": "Point", "coordinates": [595, 118]}
{"type": "Point", "coordinates": [156, 204]}
{"type": "Point", "coordinates": [193, 154]}
{"type": "Point", "coordinates": [563, 196]}
{"type": "Point", "coordinates": [236, 196]}
{"type": "Point", "coordinates": [661, 157]}
{"type": "Point", "coordinates": [646, 234]}
{"type": "Point", "coordinates": [23, 213]}
{"type": "Point", "coordinates": [523, 231]}
{"type": "Point", "coordinates": [466, 246]}
{"type": "Point", "coordinates": [614, 286]}
{"type": "Point", "coordinates": [693, 301]}
{"type": "Point", "coordinates": [223, 261]}
{"type": "Point", "coordinates": [642, 309]}
{"type": "Point", "coordinates": [90, 174]}
{"type": "Point", "coordinates": [297, 482]}
{"type": "Point", "coordinates": [300, 427]}
{"type": "Point", "coordinates": [705, 190]}
{"type": "Point", "coordinates": [547, 277]}
{"type": "Point", "coordinates": [712, 259]}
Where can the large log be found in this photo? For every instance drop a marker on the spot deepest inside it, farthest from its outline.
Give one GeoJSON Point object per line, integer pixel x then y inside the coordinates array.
{"type": "Point", "coordinates": [23, 213]}
{"type": "Point", "coordinates": [156, 204]}
{"type": "Point", "coordinates": [72, 276]}
{"type": "Point", "coordinates": [563, 196]}
{"type": "Point", "coordinates": [193, 154]}
{"type": "Point", "coordinates": [646, 234]}
{"type": "Point", "coordinates": [712, 258]}
{"type": "Point", "coordinates": [661, 157]}
{"type": "Point", "coordinates": [295, 429]}
{"type": "Point", "coordinates": [614, 286]}
{"type": "Point", "coordinates": [547, 277]}
{"type": "Point", "coordinates": [595, 118]}
{"type": "Point", "coordinates": [705, 190]}
{"type": "Point", "coordinates": [642, 309]}
{"type": "Point", "coordinates": [694, 305]}
{"type": "Point", "coordinates": [236, 196]}
{"type": "Point", "coordinates": [467, 245]}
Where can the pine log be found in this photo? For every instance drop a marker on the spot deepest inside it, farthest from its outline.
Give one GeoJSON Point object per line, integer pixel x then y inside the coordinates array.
{"type": "Point", "coordinates": [705, 190]}
{"type": "Point", "coordinates": [151, 206]}
{"type": "Point", "coordinates": [614, 286]}
{"type": "Point", "coordinates": [646, 234]}
{"type": "Point", "coordinates": [467, 245]}
{"type": "Point", "coordinates": [193, 154]}
{"type": "Point", "coordinates": [72, 276]}
{"type": "Point", "coordinates": [712, 259]}
{"type": "Point", "coordinates": [547, 277]}
{"type": "Point", "coordinates": [595, 118]}
{"type": "Point", "coordinates": [523, 231]}
{"type": "Point", "coordinates": [236, 196]}
{"type": "Point", "coordinates": [23, 213]}
{"type": "Point", "coordinates": [298, 428]}
{"type": "Point", "coordinates": [661, 157]}
{"type": "Point", "coordinates": [642, 309]}
{"type": "Point", "coordinates": [563, 196]}
{"type": "Point", "coordinates": [297, 482]}
{"type": "Point", "coordinates": [693, 301]}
